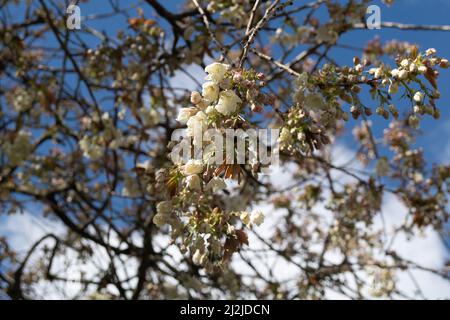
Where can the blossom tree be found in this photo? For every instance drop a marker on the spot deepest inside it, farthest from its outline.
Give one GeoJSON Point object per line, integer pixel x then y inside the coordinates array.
{"type": "Point", "coordinates": [87, 121]}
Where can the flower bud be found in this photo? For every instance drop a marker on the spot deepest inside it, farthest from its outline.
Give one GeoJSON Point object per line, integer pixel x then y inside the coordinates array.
{"type": "Point", "coordinates": [418, 97]}
{"type": "Point", "coordinates": [196, 97]}
{"type": "Point", "coordinates": [413, 68]}
{"type": "Point", "coordinates": [417, 109]}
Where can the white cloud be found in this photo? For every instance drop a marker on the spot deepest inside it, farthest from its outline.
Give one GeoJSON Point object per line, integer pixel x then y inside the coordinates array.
{"type": "Point", "coordinates": [23, 229]}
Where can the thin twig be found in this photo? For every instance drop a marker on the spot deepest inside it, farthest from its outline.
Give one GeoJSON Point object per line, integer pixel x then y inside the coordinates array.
{"type": "Point", "coordinates": [299, 58]}
{"type": "Point", "coordinates": [211, 33]}
{"type": "Point", "coordinates": [277, 63]}
{"type": "Point", "coordinates": [252, 17]}
{"type": "Point", "coordinates": [270, 10]}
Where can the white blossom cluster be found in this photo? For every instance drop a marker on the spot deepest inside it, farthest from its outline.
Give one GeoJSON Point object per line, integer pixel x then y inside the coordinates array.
{"type": "Point", "coordinates": [197, 181]}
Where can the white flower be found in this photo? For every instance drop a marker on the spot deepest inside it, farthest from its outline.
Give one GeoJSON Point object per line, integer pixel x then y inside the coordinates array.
{"type": "Point", "coordinates": [257, 217]}
{"type": "Point", "coordinates": [193, 167]}
{"type": "Point", "coordinates": [184, 114]}
{"type": "Point", "coordinates": [193, 182]}
{"type": "Point", "coordinates": [216, 71]}
{"type": "Point", "coordinates": [216, 184]}
{"type": "Point", "coordinates": [195, 97]}
{"type": "Point", "coordinates": [359, 68]}
{"type": "Point", "coordinates": [164, 207]}
{"type": "Point", "coordinates": [418, 177]}
{"type": "Point", "coordinates": [196, 125]}
{"type": "Point", "coordinates": [210, 91]}
{"type": "Point", "coordinates": [423, 69]}
{"type": "Point", "coordinates": [418, 97]}
{"type": "Point", "coordinates": [228, 101]}
{"type": "Point", "coordinates": [413, 67]}
{"type": "Point", "coordinates": [197, 122]}
{"type": "Point", "coordinates": [197, 258]}
{"type": "Point", "coordinates": [394, 72]}
{"type": "Point", "coordinates": [245, 218]}
{"type": "Point", "coordinates": [159, 220]}
{"type": "Point", "coordinates": [404, 63]}
{"type": "Point", "coordinates": [377, 72]}
{"type": "Point", "coordinates": [403, 74]}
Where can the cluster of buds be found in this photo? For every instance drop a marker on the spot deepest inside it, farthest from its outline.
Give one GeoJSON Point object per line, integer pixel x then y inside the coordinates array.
{"type": "Point", "coordinates": [303, 129]}
{"type": "Point", "coordinates": [301, 134]}
{"type": "Point", "coordinates": [384, 81]}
